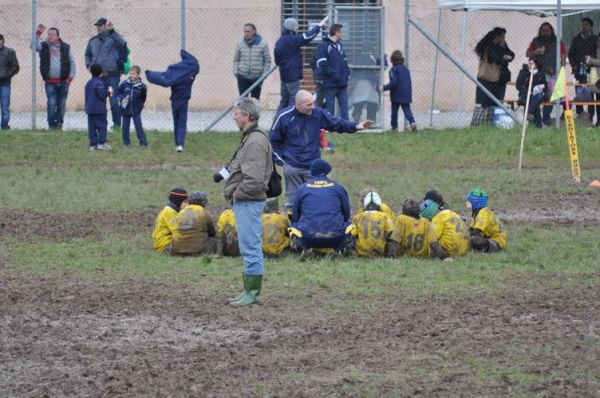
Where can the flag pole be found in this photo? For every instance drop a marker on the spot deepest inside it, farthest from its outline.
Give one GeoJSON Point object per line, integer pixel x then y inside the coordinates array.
{"type": "Point", "coordinates": [531, 66]}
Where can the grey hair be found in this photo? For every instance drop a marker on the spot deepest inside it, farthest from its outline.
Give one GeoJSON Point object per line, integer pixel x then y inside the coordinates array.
{"type": "Point", "coordinates": [249, 106]}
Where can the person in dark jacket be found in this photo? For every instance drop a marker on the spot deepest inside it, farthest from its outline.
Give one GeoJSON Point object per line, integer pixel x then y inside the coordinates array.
{"type": "Point", "coordinates": [132, 95]}
{"type": "Point", "coordinates": [180, 77]}
{"type": "Point", "coordinates": [321, 212]}
{"type": "Point", "coordinates": [96, 92]}
{"type": "Point", "coordinates": [538, 89]}
{"type": "Point", "coordinates": [295, 137]}
{"type": "Point", "coordinates": [400, 88]}
{"type": "Point", "coordinates": [9, 66]}
{"type": "Point", "coordinates": [103, 49]}
{"type": "Point", "coordinates": [333, 71]}
{"type": "Point", "coordinates": [494, 50]}
{"type": "Point", "coordinates": [57, 66]}
{"type": "Point", "coordinates": [584, 44]}
{"type": "Point", "coordinates": [289, 58]}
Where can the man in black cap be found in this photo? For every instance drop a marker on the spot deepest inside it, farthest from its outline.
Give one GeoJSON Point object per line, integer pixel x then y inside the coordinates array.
{"type": "Point", "coordinates": [104, 49]}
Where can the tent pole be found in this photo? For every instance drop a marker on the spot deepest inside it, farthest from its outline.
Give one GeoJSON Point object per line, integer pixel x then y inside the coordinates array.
{"type": "Point", "coordinates": [558, 57]}
{"type": "Point", "coordinates": [462, 59]}
{"type": "Point", "coordinates": [406, 41]}
{"type": "Point", "coordinates": [435, 65]}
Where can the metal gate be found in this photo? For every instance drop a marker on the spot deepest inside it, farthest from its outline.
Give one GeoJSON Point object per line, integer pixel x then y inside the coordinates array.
{"type": "Point", "coordinates": [364, 35]}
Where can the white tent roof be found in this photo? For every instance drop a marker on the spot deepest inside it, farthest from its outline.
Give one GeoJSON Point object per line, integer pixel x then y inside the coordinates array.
{"type": "Point", "coordinates": [548, 6]}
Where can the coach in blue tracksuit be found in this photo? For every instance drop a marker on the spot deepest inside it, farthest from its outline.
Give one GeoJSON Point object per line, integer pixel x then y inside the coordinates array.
{"type": "Point", "coordinates": [295, 139]}
{"type": "Point", "coordinates": [321, 211]}
{"type": "Point", "coordinates": [179, 77]}
{"type": "Point", "coordinates": [334, 72]}
{"type": "Point", "coordinates": [289, 58]}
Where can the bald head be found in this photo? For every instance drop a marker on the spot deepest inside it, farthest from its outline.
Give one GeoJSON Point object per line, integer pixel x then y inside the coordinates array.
{"type": "Point", "coordinates": [305, 102]}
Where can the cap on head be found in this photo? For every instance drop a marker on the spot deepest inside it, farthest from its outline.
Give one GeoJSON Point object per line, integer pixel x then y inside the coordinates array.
{"type": "Point", "coordinates": [177, 196]}
{"type": "Point", "coordinates": [372, 201]}
{"type": "Point", "coordinates": [435, 196]}
{"type": "Point", "coordinates": [429, 209]}
{"type": "Point", "coordinates": [410, 208]}
{"type": "Point", "coordinates": [478, 198]}
{"type": "Point", "coordinates": [320, 167]}
{"type": "Point", "coordinates": [290, 23]}
{"type": "Point", "coordinates": [198, 198]}
{"type": "Point", "coordinates": [101, 21]}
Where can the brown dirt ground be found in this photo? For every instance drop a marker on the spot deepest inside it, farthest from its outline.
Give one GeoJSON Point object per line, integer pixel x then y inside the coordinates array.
{"type": "Point", "coordinates": [67, 334]}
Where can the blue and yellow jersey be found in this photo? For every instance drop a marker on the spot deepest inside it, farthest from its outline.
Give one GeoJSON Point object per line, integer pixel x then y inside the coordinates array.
{"type": "Point", "coordinates": [414, 236]}
{"type": "Point", "coordinates": [371, 229]}
{"type": "Point", "coordinates": [384, 209]}
{"type": "Point", "coordinates": [451, 232]}
{"type": "Point", "coordinates": [490, 226]}
{"type": "Point", "coordinates": [164, 226]}
{"type": "Point", "coordinates": [274, 236]}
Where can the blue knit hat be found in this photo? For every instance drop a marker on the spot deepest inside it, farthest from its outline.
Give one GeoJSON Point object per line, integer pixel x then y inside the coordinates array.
{"type": "Point", "coordinates": [478, 198]}
{"type": "Point", "coordinates": [319, 167]}
{"type": "Point", "coordinates": [290, 23]}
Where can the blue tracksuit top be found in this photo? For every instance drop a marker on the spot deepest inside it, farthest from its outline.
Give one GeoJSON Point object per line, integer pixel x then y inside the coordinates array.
{"type": "Point", "coordinates": [332, 64]}
{"type": "Point", "coordinates": [179, 77]}
{"type": "Point", "coordinates": [95, 96]}
{"type": "Point", "coordinates": [322, 207]}
{"type": "Point", "coordinates": [288, 55]}
{"type": "Point", "coordinates": [400, 85]}
{"type": "Point", "coordinates": [135, 92]}
{"type": "Point", "coordinates": [295, 136]}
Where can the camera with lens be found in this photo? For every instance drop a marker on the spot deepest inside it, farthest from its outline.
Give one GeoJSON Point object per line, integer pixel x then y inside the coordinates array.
{"type": "Point", "coordinates": [221, 175]}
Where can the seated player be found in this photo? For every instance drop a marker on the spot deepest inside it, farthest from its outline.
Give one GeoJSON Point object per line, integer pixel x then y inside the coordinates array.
{"type": "Point", "coordinates": [275, 237]}
{"type": "Point", "coordinates": [164, 226]}
{"type": "Point", "coordinates": [414, 235]}
{"type": "Point", "coordinates": [320, 212]}
{"type": "Point", "coordinates": [485, 230]}
{"type": "Point", "coordinates": [372, 228]}
{"type": "Point", "coordinates": [227, 240]}
{"type": "Point", "coordinates": [195, 230]}
{"type": "Point", "coordinates": [450, 230]}
{"type": "Point", "coordinates": [384, 207]}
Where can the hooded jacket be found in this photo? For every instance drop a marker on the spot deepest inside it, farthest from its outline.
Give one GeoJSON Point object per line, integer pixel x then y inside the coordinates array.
{"type": "Point", "coordinates": [95, 96]}
{"type": "Point", "coordinates": [251, 60]}
{"type": "Point", "coordinates": [135, 94]}
{"type": "Point", "coordinates": [400, 85]}
{"type": "Point", "coordinates": [288, 55]}
{"type": "Point", "coordinates": [332, 64]}
{"type": "Point", "coordinates": [179, 77]}
{"type": "Point", "coordinates": [102, 50]}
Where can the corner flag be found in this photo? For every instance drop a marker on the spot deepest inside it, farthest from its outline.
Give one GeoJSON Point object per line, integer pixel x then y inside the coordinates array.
{"type": "Point", "coordinates": [559, 87]}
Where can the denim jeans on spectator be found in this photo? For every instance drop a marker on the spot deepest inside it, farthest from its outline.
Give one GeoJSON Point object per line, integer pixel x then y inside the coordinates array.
{"type": "Point", "coordinates": [115, 109]}
{"type": "Point", "coordinates": [5, 104]}
{"type": "Point", "coordinates": [288, 94]}
{"type": "Point", "coordinates": [139, 130]}
{"type": "Point", "coordinates": [249, 232]}
{"type": "Point", "coordinates": [244, 84]}
{"type": "Point", "coordinates": [408, 115]}
{"type": "Point", "coordinates": [341, 93]}
{"type": "Point", "coordinates": [57, 99]}
{"type": "Point", "coordinates": [294, 177]}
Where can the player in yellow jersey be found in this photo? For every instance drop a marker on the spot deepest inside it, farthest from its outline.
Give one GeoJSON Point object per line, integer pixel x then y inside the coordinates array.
{"type": "Point", "coordinates": [450, 230]}
{"type": "Point", "coordinates": [486, 231]}
{"type": "Point", "coordinates": [165, 224]}
{"type": "Point", "coordinates": [275, 237]}
{"type": "Point", "coordinates": [384, 207]}
{"type": "Point", "coordinates": [227, 240]}
{"type": "Point", "coordinates": [372, 227]}
{"type": "Point", "coordinates": [414, 235]}
{"type": "Point", "coordinates": [195, 230]}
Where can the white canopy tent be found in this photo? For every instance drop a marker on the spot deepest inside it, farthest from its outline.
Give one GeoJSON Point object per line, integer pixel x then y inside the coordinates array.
{"type": "Point", "coordinates": [548, 7]}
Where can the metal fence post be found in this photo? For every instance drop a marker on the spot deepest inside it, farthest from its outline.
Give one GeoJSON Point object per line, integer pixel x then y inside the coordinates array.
{"type": "Point", "coordinates": [33, 64]}
{"type": "Point", "coordinates": [435, 67]}
{"type": "Point", "coordinates": [183, 24]}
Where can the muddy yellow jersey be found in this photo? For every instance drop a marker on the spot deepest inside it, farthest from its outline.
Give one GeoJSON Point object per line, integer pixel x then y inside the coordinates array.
{"type": "Point", "coordinates": [226, 230]}
{"type": "Point", "coordinates": [384, 209]}
{"type": "Point", "coordinates": [414, 236]}
{"type": "Point", "coordinates": [490, 226]}
{"type": "Point", "coordinates": [274, 236]}
{"type": "Point", "coordinates": [371, 229]}
{"type": "Point", "coordinates": [164, 226]}
{"type": "Point", "coordinates": [451, 232]}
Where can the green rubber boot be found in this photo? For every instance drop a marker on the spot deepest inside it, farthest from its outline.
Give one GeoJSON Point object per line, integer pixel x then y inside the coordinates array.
{"type": "Point", "coordinates": [239, 296]}
{"type": "Point", "coordinates": [252, 287]}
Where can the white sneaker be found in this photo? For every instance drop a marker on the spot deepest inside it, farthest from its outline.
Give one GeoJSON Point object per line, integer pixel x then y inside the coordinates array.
{"type": "Point", "coordinates": [92, 149]}
{"type": "Point", "coordinates": [179, 148]}
{"type": "Point", "coordinates": [104, 147]}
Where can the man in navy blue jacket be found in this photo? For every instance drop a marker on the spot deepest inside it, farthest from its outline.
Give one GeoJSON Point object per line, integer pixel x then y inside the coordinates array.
{"type": "Point", "coordinates": [179, 77]}
{"type": "Point", "coordinates": [295, 139]}
{"type": "Point", "coordinates": [321, 212]}
{"type": "Point", "coordinates": [289, 58]}
{"type": "Point", "coordinates": [333, 70]}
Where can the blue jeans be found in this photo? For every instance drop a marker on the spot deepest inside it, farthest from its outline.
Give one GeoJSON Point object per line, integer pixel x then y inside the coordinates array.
{"type": "Point", "coordinates": [5, 104]}
{"type": "Point", "coordinates": [115, 109]}
{"type": "Point", "coordinates": [341, 93]}
{"type": "Point", "coordinates": [97, 129]}
{"type": "Point", "coordinates": [408, 115]}
{"type": "Point", "coordinates": [249, 232]}
{"type": "Point", "coordinates": [139, 130]}
{"type": "Point", "coordinates": [57, 100]}
{"type": "Point", "coordinates": [288, 94]}
{"type": "Point", "coordinates": [179, 108]}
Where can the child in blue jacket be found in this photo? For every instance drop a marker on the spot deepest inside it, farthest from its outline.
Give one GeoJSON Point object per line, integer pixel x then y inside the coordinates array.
{"type": "Point", "coordinates": [96, 93]}
{"type": "Point", "coordinates": [400, 88]}
{"type": "Point", "coordinates": [132, 95]}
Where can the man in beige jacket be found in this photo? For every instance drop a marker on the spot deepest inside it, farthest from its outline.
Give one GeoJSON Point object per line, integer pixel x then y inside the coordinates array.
{"type": "Point", "coordinates": [251, 60]}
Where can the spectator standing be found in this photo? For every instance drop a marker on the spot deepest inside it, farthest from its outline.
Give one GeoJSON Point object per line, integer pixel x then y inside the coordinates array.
{"type": "Point", "coordinates": [251, 60]}
{"type": "Point", "coordinates": [494, 50]}
{"type": "Point", "coordinates": [104, 49]}
{"type": "Point", "coordinates": [96, 92]}
{"type": "Point", "coordinates": [333, 71]}
{"type": "Point", "coordinates": [9, 66]}
{"type": "Point", "coordinates": [289, 58]}
{"type": "Point", "coordinates": [57, 67]}
{"type": "Point", "coordinates": [582, 46]}
{"type": "Point", "coordinates": [365, 88]}
{"type": "Point", "coordinates": [132, 96]}
{"type": "Point", "coordinates": [400, 88]}
{"type": "Point", "coordinates": [595, 63]}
